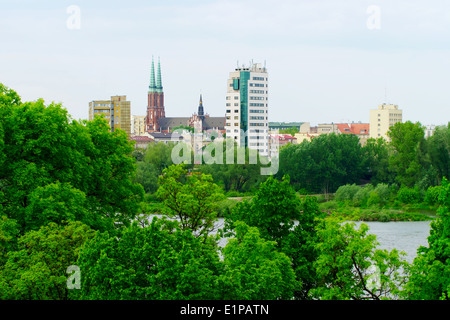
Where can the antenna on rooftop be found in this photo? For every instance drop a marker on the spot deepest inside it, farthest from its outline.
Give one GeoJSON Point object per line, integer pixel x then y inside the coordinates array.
{"type": "Point", "coordinates": [385, 94]}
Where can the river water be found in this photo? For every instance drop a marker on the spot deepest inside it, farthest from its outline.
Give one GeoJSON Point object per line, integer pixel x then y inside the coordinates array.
{"type": "Point", "coordinates": [405, 236]}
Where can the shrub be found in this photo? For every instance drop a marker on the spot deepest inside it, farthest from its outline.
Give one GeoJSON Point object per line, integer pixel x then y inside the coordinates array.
{"type": "Point", "coordinates": [384, 192]}
{"type": "Point", "coordinates": [320, 198]}
{"type": "Point", "coordinates": [409, 195]}
{"type": "Point", "coordinates": [374, 199]}
{"type": "Point", "coordinates": [432, 195]}
{"type": "Point", "coordinates": [328, 205]}
{"type": "Point", "coordinates": [346, 192]}
{"type": "Point", "coordinates": [233, 194]}
{"type": "Point", "coordinates": [303, 191]}
{"type": "Point", "coordinates": [360, 198]}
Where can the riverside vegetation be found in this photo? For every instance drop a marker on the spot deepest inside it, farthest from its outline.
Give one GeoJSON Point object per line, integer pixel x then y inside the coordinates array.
{"type": "Point", "coordinates": [74, 193]}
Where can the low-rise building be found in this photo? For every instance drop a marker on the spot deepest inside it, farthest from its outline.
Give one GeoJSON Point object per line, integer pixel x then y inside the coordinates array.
{"type": "Point", "coordinates": [142, 141]}
{"type": "Point", "coordinates": [165, 137]}
{"type": "Point", "coordinates": [361, 130]}
{"type": "Point", "coordinates": [276, 141]}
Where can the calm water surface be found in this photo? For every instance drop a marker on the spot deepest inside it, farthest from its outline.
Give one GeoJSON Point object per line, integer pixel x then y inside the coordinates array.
{"type": "Point", "coordinates": [405, 236]}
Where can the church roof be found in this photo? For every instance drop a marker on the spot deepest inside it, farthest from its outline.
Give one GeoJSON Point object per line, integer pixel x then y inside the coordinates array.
{"type": "Point", "coordinates": [214, 122]}
{"type": "Point", "coordinates": [170, 123]}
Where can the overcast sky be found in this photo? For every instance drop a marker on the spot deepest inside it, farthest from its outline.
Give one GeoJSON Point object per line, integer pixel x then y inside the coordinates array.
{"type": "Point", "coordinates": [328, 60]}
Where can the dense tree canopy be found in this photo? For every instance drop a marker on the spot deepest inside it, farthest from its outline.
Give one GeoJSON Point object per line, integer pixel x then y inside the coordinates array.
{"type": "Point", "coordinates": [37, 270]}
{"type": "Point", "coordinates": [70, 192]}
{"type": "Point", "coordinates": [193, 199]}
{"type": "Point", "coordinates": [405, 140]}
{"type": "Point", "coordinates": [45, 154]}
{"type": "Point", "coordinates": [160, 261]}
{"type": "Point", "coordinates": [324, 163]}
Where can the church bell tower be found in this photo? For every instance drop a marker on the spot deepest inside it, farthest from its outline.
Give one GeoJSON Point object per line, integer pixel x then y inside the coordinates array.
{"type": "Point", "coordinates": [155, 104]}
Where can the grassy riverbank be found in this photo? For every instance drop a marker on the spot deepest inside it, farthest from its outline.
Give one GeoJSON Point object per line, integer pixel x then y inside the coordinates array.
{"type": "Point", "coordinates": [347, 212]}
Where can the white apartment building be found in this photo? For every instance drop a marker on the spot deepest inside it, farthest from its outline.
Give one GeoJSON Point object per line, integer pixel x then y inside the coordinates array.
{"type": "Point", "coordinates": [382, 119]}
{"type": "Point", "coordinates": [247, 107]}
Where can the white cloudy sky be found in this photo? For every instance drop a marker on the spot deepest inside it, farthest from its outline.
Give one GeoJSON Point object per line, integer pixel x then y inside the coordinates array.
{"type": "Point", "coordinates": [325, 64]}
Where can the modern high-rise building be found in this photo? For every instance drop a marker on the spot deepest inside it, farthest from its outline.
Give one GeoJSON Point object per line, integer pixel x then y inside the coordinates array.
{"type": "Point", "coordinates": [247, 108]}
{"type": "Point", "coordinates": [382, 119]}
{"type": "Point", "coordinates": [116, 111]}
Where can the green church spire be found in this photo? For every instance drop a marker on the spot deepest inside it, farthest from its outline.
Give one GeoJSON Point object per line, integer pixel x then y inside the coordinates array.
{"type": "Point", "coordinates": [152, 86]}
{"type": "Point", "coordinates": [159, 87]}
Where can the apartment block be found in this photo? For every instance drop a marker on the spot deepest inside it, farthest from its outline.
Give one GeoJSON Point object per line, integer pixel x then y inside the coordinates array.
{"type": "Point", "coordinates": [116, 111]}
{"type": "Point", "coordinates": [138, 126]}
{"type": "Point", "coordinates": [382, 119]}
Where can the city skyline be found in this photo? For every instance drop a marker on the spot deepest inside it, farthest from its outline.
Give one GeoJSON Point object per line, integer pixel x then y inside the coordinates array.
{"type": "Point", "coordinates": [325, 62]}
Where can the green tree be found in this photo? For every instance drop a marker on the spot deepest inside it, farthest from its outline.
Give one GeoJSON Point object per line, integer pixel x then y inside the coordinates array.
{"type": "Point", "coordinates": [301, 246]}
{"type": "Point", "coordinates": [438, 150]}
{"type": "Point", "coordinates": [405, 140]}
{"type": "Point", "coordinates": [281, 216]}
{"type": "Point", "coordinates": [37, 270]}
{"type": "Point", "coordinates": [254, 269]}
{"type": "Point", "coordinates": [292, 131]}
{"type": "Point", "coordinates": [376, 154]}
{"type": "Point", "coordinates": [350, 268]}
{"type": "Point", "coordinates": [42, 146]}
{"type": "Point", "coordinates": [147, 176]}
{"type": "Point", "coordinates": [239, 175]}
{"type": "Point", "coordinates": [429, 275]}
{"type": "Point", "coordinates": [346, 192]}
{"type": "Point", "coordinates": [193, 199]}
{"type": "Point", "coordinates": [273, 209]}
{"type": "Point", "coordinates": [323, 164]}
{"type": "Point", "coordinates": [9, 232]}
{"type": "Point", "coordinates": [158, 261]}
{"type": "Point", "coordinates": [55, 202]}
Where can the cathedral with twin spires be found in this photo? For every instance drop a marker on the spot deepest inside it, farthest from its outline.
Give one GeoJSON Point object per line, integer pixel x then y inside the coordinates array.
{"type": "Point", "coordinates": [156, 120]}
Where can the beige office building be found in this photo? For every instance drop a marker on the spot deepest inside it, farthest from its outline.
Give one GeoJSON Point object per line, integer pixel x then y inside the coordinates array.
{"type": "Point", "coordinates": [116, 111]}
{"type": "Point", "coordinates": [138, 126]}
{"type": "Point", "coordinates": [382, 119]}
